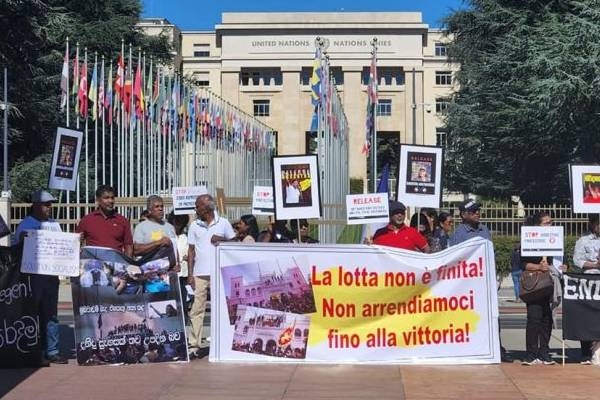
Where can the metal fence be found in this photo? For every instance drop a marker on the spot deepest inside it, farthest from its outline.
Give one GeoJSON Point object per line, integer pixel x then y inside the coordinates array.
{"type": "Point", "coordinates": [502, 220]}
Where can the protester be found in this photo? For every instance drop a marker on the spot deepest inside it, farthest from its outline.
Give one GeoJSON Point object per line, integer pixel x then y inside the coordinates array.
{"type": "Point", "coordinates": [144, 215]}
{"type": "Point", "coordinates": [152, 238]}
{"type": "Point", "coordinates": [397, 234]}
{"type": "Point", "coordinates": [585, 257]}
{"type": "Point", "coordinates": [247, 229]}
{"type": "Point", "coordinates": [277, 232]}
{"type": "Point", "coordinates": [425, 222]}
{"type": "Point", "coordinates": [104, 226]}
{"type": "Point", "coordinates": [539, 313]}
{"type": "Point", "coordinates": [44, 287]}
{"type": "Point", "coordinates": [204, 234]}
{"type": "Point", "coordinates": [300, 229]}
{"type": "Point", "coordinates": [180, 222]}
{"type": "Point", "coordinates": [445, 223]}
{"type": "Point", "coordinates": [469, 228]}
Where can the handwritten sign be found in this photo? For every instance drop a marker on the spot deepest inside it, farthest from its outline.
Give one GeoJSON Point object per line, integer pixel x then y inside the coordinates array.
{"type": "Point", "coordinates": [51, 253]}
{"type": "Point", "coordinates": [542, 241]}
{"type": "Point", "coordinates": [184, 198]}
{"type": "Point", "coordinates": [262, 201]}
{"type": "Point", "coordinates": [367, 208]}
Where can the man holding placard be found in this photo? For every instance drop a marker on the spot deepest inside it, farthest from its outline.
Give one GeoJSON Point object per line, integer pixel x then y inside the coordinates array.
{"type": "Point", "coordinates": [44, 287]}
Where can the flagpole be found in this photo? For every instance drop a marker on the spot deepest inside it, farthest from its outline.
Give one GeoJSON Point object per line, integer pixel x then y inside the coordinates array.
{"type": "Point", "coordinates": [101, 115]}
{"type": "Point", "coordinates": [131, 125]}
{"type": "Point", "coordinates": [86, 130]}
{"type": "Point", "coordinates": [66, 101]}
{"type": "Point", "coordinates": [95, 117]}
{"type": "Point", "coordinates": [374, 141]}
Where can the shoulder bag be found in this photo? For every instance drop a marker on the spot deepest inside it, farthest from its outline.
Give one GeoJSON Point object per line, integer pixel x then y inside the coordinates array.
{"type": "Point", "coordinates": [535, 286]}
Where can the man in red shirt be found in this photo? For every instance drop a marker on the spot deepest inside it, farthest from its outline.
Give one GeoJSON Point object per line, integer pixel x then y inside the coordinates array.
{"type": "Point", "coordinates": [104, 226]}
{"type": "Point", "coordinates": [397, 234]}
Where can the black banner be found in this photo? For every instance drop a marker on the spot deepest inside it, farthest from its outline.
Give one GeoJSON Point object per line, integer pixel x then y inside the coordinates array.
{"type": "Point", "coordinates": [581, 307]}
{"type": "Point", "coordinates": [126, 312]}
{"type": "Point", "coordinates": [20, 344]}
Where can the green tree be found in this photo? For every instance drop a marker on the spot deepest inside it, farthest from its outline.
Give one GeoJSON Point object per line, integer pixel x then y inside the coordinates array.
{"type": "Point", "coordinates": [528, 103]}
{"type": "Point", "coordinates": [34, 34]}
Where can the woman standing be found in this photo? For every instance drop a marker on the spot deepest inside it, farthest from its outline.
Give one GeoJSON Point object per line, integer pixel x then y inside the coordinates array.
{"type": "Point", "coordinates": [539, 314]}
{"type": "Point", "coordinates": [247, 229]}
{"type": "Point", "coordinates": [443, 229]}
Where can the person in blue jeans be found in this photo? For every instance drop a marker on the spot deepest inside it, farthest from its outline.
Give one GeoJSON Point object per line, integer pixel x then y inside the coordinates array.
{"type": "Point", "coordinates": [515, 270]}
{"type": "Point", "coordinates": [44, 287]}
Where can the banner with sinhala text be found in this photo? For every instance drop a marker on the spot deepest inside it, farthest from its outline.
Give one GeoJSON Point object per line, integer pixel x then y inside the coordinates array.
{"type": "Point", "coordinates": [355, 304]}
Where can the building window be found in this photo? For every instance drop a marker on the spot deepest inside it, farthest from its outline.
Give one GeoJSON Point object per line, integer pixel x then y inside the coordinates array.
{"type": "Point", "coordinates": [201, 79]}
{"type": "Point", "coordinates": [441, 105]}
{"type": "Point", "coordinates": [441, 50]}
{"type": "Point", "coordinates": [441, 137]}
{"type": "Point", "coordinates": [261, 77]}
{"type": "Point", "coordinates": [387, 76]}
{"type": "Point", "coordinates": [262, 108]}
{"type": "Point", "coordinates": [443, 78]}
{"type": "Point", "coordinates": [201, 50]}
{"type": "Point", "coordinates": [384, 107]}
{"type": "Point", "coordinates": [336, 73]}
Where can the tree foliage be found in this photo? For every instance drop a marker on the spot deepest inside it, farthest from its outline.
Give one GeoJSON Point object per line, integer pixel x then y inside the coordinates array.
{"type": "Point", "coordinates": [529, 97]}
{"type": "Point", "coordinates": [34, 34]}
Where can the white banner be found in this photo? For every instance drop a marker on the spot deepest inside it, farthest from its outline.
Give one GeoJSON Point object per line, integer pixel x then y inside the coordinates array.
{"type": "Point", "coordinates": [542, 241]}
{"type": "Point", "coordinates": [184, 198]}
{"type": "Point", "coordinates": [51, 253]}
{"type": "Point", "coordinates": [262, 201]}
{"type": "Point", "coordinates": [355, 304]}
{"type": "Point", "coordinates": [367, 208]}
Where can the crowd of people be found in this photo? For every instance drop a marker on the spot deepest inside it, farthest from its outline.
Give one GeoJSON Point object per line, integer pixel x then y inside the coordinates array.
{"type": "Point", "coordinates": [189, 247]}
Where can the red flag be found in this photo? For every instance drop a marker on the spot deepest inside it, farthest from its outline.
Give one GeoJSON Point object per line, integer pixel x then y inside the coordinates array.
{"type": "Point", "coordinates": [119, 78]}
{"type": "Point", "coordinates": [64, 80]}
{"type": "Point", "coordinates": [82, 95]}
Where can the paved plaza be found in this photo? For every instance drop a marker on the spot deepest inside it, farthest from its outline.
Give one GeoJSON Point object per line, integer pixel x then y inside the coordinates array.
{"type": "Point", "coordinates": [201, 379]}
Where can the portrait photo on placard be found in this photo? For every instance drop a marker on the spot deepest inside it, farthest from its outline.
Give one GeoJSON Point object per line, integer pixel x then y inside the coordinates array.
{"type": "Point", "coordinates": [585, 188]}
{"type": "Point", "coordinates": [296, 187]}
{"type": "Point", "coordinates": [65, 159]}
{"type": "Point", "coordinates": [420, 175]}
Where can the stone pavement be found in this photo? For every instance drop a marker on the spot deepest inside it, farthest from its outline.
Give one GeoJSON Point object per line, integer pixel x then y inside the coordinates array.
{"type": "Point", "coordinates": [200, 379]}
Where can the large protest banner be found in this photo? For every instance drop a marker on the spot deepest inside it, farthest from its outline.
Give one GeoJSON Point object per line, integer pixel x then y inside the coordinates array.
{"type": "Point", "coordinates": [355, 304]}
{"type": "Point", "coordinates": [20, 344]}
{"type": "Point", "coordinates": [125, 313]}
{"type": "Point", "coordinates": [581, 307]}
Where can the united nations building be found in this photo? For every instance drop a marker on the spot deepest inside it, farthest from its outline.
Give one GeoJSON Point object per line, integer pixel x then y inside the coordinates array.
{"type": "Point", "coordinates": [262, 64]}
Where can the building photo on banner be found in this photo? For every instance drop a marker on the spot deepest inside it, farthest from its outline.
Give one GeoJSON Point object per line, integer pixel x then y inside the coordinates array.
{"type": "Point", "coordinates": [296, 191]}
{"type": "Point", "coordinates": [65, 159]}
{"type": "Point", "coordinates": [355, 304]}
{"type": "Point", "coordinates": [420, 176]}
{"type": "Point", "coordinates": [585, 188]}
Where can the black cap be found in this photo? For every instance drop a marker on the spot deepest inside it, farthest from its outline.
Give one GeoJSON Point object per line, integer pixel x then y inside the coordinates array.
{"type": "Point", "coordinates": [469, 205]}
{"type": "Point", "coordinates": [396, 207]}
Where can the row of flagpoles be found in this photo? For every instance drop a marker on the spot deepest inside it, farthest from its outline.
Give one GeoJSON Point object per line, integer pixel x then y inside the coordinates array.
{"type": "Point", "coordinates": [152, 130]}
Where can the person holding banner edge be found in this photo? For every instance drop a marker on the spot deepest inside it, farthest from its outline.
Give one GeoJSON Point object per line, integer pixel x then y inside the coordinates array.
{"type": "Point", "coordinates": [45, 287]}
{"type": "Point", "coordinates": [398, 234]}
{"type": "Point", "coordinates": [204, 233]}
{"type": "Point", "coordinates": [586, 257]}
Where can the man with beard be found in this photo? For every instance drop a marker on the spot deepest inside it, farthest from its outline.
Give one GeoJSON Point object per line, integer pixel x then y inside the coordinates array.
{"type": "Point", "coordinates": [105, 227]}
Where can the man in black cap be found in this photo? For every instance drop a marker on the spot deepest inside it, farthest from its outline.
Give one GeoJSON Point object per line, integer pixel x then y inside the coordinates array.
{"type": "Point", "coordinates": [398, 234]}
{"type": "Point", "coordinates": [470, 226]}
{"type": "Point", "coordinates": [45, 287]}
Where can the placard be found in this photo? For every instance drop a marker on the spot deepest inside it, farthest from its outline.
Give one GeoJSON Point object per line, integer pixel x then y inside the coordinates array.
{"type": "Point", "coordinates": [262, 200]}
{"type": "Point", "coordinates": [420, 176]}
{"type": "Point", "coordinates": [51, 253]}
{"type": "Point", "coordinates": [542, 241]}
{"type": "Point", "coordinates": [585, 188]}
{"type": "Point", "coordinates": [367, 208]}
{"type": "Point", "coordinates": [65, 159]}
{"type": "Point", "coordinates": [296, 191]}
{"type": "Point", "coordinates": [184, 198]}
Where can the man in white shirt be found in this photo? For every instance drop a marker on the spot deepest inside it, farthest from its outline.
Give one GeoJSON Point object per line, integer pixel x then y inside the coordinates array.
{"type": "Point", "coordinates": [203, 235]}
{"type": "Point", "coordinates": [292, 193]}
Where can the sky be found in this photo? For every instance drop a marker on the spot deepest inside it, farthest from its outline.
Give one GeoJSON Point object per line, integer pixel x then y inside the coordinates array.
{"type": "Point", "coordinates": [204, 15]}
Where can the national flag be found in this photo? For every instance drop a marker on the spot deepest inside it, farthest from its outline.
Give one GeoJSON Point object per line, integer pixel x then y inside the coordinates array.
{"type": "Point", "coordinates": [101, 92]}
{"type": "Point", "coordinates": [64, 80]}
{"type": "Point", "coordinates": [83, 91]}
{"type": "Point", "coordinates": [75, 91]}
{"type": "Point", "coordinates": [127, 89]}
{"type": "Point", "coordinates": [315, 79]}
{"type": "Point", "coordinates": [119, 79]}
{"type": "Point", "coordinates": [108, 98]}
{"type": "Point", "coordinates": [93, 92]}
{"type": "Point", "coordinates": [138, 93]}
{"type": "Point", "coordinates": [371, 104]}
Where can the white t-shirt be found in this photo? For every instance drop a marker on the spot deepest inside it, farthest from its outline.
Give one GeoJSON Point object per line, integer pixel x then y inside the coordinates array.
{"type": "Point", "coordinates": [31, 223]}
{"type": "Point", "coordinates": [199, 236]}
{"type": "Point", "coordinates": [292, 195]}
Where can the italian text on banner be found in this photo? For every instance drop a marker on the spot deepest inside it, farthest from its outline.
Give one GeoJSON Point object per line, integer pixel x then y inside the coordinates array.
{"type": "Point", "coordinates": [355, 304]}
